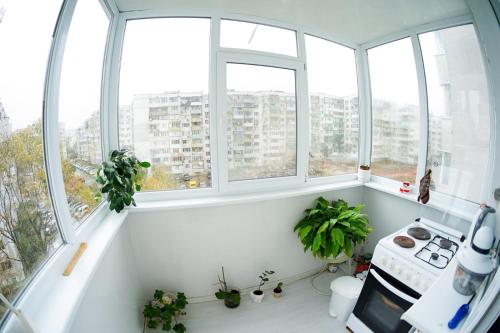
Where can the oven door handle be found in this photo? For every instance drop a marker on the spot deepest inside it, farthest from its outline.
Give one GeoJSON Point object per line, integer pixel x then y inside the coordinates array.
{"type": "Point", "coordinates": [394, 290]}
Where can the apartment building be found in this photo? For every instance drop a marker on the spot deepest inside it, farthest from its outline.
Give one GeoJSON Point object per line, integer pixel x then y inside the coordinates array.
{"type": "Point", "coordinates": [171, 129]}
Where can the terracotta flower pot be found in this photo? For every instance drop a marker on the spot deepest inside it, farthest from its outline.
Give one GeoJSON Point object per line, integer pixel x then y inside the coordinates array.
{"type": "Point", "coordinates": [277, 292]}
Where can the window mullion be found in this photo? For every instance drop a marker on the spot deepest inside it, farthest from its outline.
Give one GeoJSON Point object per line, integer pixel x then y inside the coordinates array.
{"type": "Point", "coordinates": [303, 125]}
{"type": "Point", "coordinates": [424, 110]}
{"type": "Point", "coordinates": [51, 124]}
{"type": "Point", "coordinates": [216, 131]}
{"type": "Point", "coordinates": [364, 107]}
{"type": "Point", "coordinates": [112, 71]}
{"type": "Point", "coordinates": [109, 133]}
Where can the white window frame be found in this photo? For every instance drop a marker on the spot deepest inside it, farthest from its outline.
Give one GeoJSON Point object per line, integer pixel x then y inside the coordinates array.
{"type": "Point", "coordinates": [297, 66]}
{"type": "Point", "coordinates": [53, 165]}
{"type": "Point", "coordinates": [359, 62]}
{"type": "Point", "coordinates": [442, 201]}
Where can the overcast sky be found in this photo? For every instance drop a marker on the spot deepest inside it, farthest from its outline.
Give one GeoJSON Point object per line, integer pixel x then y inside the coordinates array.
{"type": "Point", "coordinates": [165, 55]}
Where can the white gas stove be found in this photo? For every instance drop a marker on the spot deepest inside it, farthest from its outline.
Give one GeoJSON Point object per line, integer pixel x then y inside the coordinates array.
{"type": "Point", "coordinates": [404, 265]}
{"type": "Point", "coordinates": [420, 265]}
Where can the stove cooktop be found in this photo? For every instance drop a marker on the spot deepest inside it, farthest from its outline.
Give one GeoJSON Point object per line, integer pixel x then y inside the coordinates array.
{"type": "Point", "coordinates": [432, 254]}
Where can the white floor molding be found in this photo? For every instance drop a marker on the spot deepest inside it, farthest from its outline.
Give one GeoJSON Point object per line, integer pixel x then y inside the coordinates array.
{"type": "Point", "coordinates": [300, 310]}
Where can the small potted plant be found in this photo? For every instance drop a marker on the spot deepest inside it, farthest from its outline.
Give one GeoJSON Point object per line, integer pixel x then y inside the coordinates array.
{"type": "Point", "coordinates": [331, 229]}
{"type": "Point", "coordinates": [258, 295]}
{"type": "Point", "coordinates": [231, 297]}
{"type": "Point", "coordinates": [119, 178]}
{"type": "Point", "coordinates": [277, 291]}
{"type": "Point", "coordinates": [164, 311]}
{"type": "Point", "coordinates": [364, 173]}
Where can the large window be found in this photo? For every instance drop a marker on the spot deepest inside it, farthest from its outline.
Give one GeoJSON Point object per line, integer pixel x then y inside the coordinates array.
{"type": "Point", "coordinates": [333, 108]}
{"type": "Point", "coordinates": [164, 111]}
{"type": "Point", "coordinates": [261, 122]}
{"type": "Point", "coordinates": [459, 122]}
{"type": "Point", "coordinates": [28, 230]}
{"type": "Point", "coordinates": [395, 111]}
{"type": "Point", "coordinates": [79, 106]}
{"type": "Point", "coordinates": [258, 37]}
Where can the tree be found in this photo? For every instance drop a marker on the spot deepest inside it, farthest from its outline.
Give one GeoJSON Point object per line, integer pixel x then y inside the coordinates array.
{"type": "Point", "coordinates": [26, 219]}
{"type": "Point", "coordinates": [159, 179]}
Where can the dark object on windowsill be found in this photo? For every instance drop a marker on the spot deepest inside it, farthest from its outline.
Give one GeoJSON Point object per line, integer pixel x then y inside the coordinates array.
{"type": "Point", "coordinates": [364, 167]}
{"type": "Point", "coordinates": [425, 183]}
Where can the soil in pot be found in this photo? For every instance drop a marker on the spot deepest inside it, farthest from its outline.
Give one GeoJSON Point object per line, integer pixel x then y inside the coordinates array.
{"type": "Point", "coordinates": [233, 302]}
{"type": "Point", "coordinates": [277, 292]}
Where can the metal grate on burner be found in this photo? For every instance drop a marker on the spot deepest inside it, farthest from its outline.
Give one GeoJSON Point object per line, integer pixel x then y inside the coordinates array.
{"type": "Point", "coordinates": [447, 254]}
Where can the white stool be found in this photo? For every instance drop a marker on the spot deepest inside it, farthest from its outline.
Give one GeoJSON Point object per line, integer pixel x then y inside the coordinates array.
{"type": "Point", "coordinates": [345, 293]}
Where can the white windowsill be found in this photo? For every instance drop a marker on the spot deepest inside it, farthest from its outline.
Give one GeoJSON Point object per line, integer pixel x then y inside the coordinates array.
{"type": "Point", "coordinates": [65, 299]}
{"type": "Point", "coordinates": [460, 208]}
{"type": "Point", "coordinates": [232, 198]}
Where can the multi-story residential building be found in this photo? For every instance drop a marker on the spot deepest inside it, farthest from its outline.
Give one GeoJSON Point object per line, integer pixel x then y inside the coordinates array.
{"type": "Point", "coordinates": [126, 127]}
{"type": "Point", "coordinates": [334, 132]}
{"type": "Point", "coordinates": [172, 129]}
{"type": "Point", "coordinates": [395, 132]}
{"type": "Point", "coordinates": [86, 141]}
{"type": "Point", "coordinates": [261, 134]}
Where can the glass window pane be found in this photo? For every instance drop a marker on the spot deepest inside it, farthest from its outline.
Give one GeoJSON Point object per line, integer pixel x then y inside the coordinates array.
{"type": "Point", "coordinates": [79, 106]}
{"type": "Point", "coordinates": [395, 111]}
{"type": "Point", "coordinates": [164, 110]}
{"type": "Point", "coordinates": [333, 105]}
{"type": "Point", "coordinates": [261, 122]}
{"type": "Point", "coordinates": [28, 230]}
{"type": "Point", "coordinates": [459, 114]}
{"type": "Point", "coordinates": [258, 37]}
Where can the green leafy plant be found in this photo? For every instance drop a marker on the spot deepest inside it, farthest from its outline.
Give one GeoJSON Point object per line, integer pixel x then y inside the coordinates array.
{"type": "Point", "coordinates": [231, 297]}
{"type": "Point", "coordinates": [164, 311]}
{"type": "Point", "coordinates": [264, 277]}
{"type": "Point", "coordinates": [327, 229]}
{"type": "Point", "coordinates": [119, 177]}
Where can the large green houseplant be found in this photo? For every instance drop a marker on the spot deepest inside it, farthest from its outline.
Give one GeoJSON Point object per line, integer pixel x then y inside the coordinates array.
{"type": "Point", "coordinates": [119, 177]}
{"type": "Point", "coordinates": [330, 228]}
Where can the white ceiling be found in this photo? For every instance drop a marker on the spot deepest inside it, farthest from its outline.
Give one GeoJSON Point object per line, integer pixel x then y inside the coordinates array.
{"type": "Point", "coordinates": [356, 21]}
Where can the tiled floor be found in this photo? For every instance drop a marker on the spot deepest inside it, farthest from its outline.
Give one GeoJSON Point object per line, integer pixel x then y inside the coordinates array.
{"type": "Point", "coordinates": [301, 309]}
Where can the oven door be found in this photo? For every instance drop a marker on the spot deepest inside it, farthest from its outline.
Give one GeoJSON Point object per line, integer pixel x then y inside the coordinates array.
{"type": "Point", "coordinates": [381, 303]}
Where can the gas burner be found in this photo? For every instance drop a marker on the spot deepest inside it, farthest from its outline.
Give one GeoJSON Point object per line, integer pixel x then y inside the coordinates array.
{"type": "Point", "coordinates": [437, 255]}
{"type": "Point", "coordinates": [445, 243]}
{"type": "Point", "coordinates": [419, 233]}
{"type": "Point", "coordinates": [404, 241]}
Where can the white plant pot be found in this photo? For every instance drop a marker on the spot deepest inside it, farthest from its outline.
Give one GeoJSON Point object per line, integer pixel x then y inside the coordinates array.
{"type": "Point", "coordinates": [364, 176]}
{"type": "Point", "coordinates": [257, 298]}
{"type": "Point", "coordinates": [342, 257]}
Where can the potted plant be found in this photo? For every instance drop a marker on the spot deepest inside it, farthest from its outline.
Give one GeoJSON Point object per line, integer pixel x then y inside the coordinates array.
{"type": "Point", "coordinates": [330, 230]}
{"type": "Point", "coordinates": [258, 295]}
{"type": "Point", "coordinates": [165, 310]}
{"type": "Point", "coordinates": [231, 297]}
{"type": "Point", "coordinates": [277, 291]}
{"type": "Point", "coordinates": [119, 177]}
{"type": "Point", "coordinates": [364, 173]}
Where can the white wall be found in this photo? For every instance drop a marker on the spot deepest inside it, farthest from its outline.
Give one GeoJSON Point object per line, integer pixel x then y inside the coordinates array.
{"type": "Point", "coordinates": [389, 213]}
{"type": "Point", "coordinates": [183, 250]}
{"type": "Point", "coordinates": [113, 302]}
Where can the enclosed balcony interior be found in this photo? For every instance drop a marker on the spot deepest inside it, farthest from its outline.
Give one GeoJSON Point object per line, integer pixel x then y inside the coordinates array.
{"type": "Point", "coordinates": [161, 157]}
